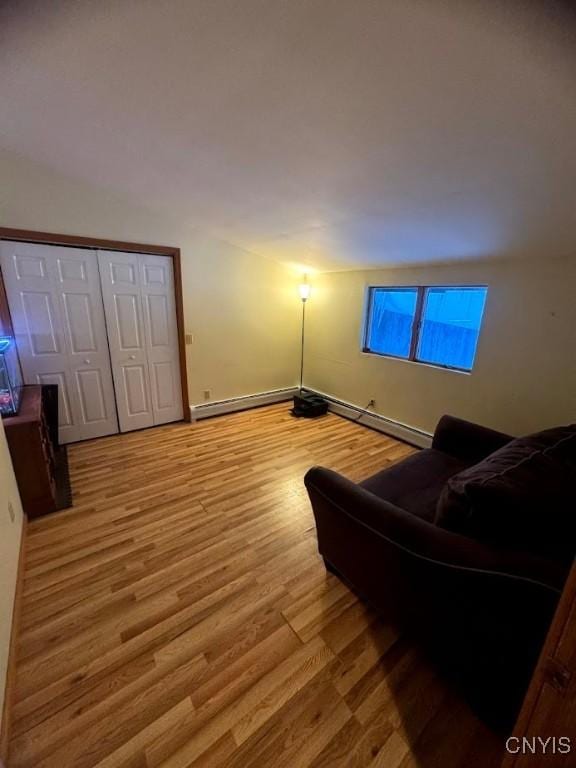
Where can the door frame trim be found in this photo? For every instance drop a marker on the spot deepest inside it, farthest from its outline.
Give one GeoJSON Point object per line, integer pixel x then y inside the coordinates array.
{"type": "Point", "coordinates": [96, 243]}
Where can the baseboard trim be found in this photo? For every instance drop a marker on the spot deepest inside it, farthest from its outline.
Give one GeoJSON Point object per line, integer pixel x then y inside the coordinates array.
{"type": "Point", "coordinates": [350, 411]}
{"type": "Point", "coordinates": [243, 403]}
{"type": "Point", "coordinates": [11, 671]}
{"type": "Point", "coordinates": [390, 427]}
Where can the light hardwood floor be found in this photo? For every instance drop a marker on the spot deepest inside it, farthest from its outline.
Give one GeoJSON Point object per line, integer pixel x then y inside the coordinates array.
{"type": "Point", "coordinates": [179, 615]}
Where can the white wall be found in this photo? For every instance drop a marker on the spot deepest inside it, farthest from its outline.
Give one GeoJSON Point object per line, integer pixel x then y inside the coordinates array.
{"type": "Point", "coordinates": [10, 535]}
{"type": "Point", "coordinates": [524, 378]}
{"type": "Point", "coordinates": [242, 309]}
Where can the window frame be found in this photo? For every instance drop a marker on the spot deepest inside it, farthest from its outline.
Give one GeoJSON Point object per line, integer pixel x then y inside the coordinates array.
{"type": "Point", "coordinates": [416, 323]}
{"type": "Point", "coordinates": [368, 318]}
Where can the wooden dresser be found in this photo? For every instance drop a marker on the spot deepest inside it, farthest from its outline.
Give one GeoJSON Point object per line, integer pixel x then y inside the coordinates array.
{"type": "Point", "coordinates": [32, 453]}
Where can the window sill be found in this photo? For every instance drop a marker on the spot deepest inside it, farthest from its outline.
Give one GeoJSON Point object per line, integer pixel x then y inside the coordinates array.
{"type": "Point", "coordinates": [416, 362]}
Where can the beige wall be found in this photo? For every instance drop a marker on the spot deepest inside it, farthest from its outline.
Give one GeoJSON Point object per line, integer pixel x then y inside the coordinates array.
{"type": "Point", "coordinates": [242, 309]}
{"type": "Point", "coordinates": [524, 377]}
{"type": "Point", "coordinates": [10, 534]}
{"type": "Point", "coordinates": [244, 313]}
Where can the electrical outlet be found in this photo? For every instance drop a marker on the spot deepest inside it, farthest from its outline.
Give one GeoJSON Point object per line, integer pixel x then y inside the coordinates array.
{"type": "Point", "coordinates": [207, 394]}
{"type": "Point", "coordinates": [11, 511]}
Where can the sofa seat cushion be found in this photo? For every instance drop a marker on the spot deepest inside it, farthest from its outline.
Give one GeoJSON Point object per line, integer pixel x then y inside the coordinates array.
{"type": "Point", "coordinates": [416, 483]}
{"type": "Point", "coordinates": [522, 496]}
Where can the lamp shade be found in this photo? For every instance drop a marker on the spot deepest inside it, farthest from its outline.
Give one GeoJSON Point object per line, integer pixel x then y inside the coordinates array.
{"type": "Point", "coordinates": [304, 289]}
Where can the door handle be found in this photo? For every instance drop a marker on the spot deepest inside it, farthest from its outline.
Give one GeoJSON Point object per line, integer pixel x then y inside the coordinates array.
{"type": "Point", "coordinates": [132, 357]}
{"type": "Point", "coordinates": [86, 361]}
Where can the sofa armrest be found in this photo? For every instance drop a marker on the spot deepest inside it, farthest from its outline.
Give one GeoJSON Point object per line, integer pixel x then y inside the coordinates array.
{"type": "Point", "coordinates": [333, 494]}
{"type": "Point", "coordinates": [467, 441]}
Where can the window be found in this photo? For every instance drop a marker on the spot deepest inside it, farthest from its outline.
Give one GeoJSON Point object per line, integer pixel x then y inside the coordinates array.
{"type": "Point", "coordinates": [390, 320]}
{"type": "Point", "coordinates": [438, 325]}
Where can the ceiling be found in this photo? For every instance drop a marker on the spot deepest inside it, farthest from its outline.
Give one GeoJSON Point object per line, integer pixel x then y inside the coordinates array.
{"type": "Point", "coordinates": [333, 133]}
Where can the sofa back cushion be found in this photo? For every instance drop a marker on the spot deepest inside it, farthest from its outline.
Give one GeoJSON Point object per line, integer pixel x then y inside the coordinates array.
{"type": "Point", "coordinates": [522, 496]}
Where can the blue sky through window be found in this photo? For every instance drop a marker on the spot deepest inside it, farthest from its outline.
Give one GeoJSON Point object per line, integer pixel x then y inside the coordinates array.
{"type": "Point", "coordinates": [446, 334]}
{"type": "Point", "coordinates": [451, 319]}
{"type": "Point", "coordinates": [392, 316]}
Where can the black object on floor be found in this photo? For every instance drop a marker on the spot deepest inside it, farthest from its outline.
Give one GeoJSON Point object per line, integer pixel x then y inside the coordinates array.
{"type": "Point", "coordinates": [309, 405]}
{"type": "Point", "coordinates": [50, 405]}
{"type": "Point", "coordinates": [63, 496]}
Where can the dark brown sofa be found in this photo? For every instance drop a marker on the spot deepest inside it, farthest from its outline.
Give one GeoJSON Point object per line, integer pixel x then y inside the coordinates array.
{"type": "Point", "coordinates": [481, 611]}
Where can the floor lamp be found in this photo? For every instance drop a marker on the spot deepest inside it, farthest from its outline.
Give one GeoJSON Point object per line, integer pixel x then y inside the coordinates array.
{"type": "Point", "coordinates": [304, 289]}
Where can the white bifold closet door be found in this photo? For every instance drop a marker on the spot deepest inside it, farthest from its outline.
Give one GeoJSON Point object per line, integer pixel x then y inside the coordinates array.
{"type": "Point", "coordinates": [138, 292]}
{"type": "Point", "coordinates": [56, 308]}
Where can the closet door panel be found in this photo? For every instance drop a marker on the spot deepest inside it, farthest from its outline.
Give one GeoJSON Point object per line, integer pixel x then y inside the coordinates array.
{"type": "Point", "coordinates": [78, 286]}
{"type": "Point", "coordinates": [90, 388]}
{"type": "Point", "coordinates": [158, 316]}
{"type": "Point", "coordinates": [161, 331]}
{"type": "Point", "coordinates": [120, 278]}
{"type": "Point", "coordinates": [79, 323]}
{"type": "Point", "coordinates": [127, 323]}
{"type": "Point", "coordinates": [41, 327]}
{"type": "Point", "coordinates": [33, 306]}
{"type": "Point", "coordinates": [163, 384]}
{"type": "Point", "coordinates": [38, 327]}
{"type": "Point", "coordinates": [137, 402]}
{"type": "Point", "coordinates": [56, 307]}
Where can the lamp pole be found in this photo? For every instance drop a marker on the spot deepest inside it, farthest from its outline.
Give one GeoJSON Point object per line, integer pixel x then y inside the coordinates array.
{"type": "Point", "coordinates": [302, 344]}
{"type": "Point", "coordinates": [304, 289]}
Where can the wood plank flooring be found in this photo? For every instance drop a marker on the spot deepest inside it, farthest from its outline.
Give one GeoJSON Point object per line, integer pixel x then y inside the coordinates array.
{"type": "Point", "coordinates": [179, 615]}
